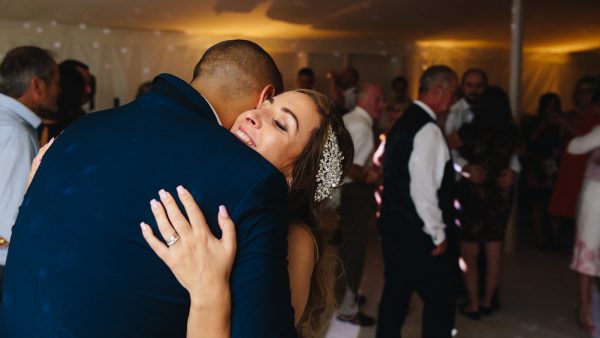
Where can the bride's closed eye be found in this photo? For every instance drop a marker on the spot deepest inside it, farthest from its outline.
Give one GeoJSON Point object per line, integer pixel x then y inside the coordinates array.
{"type": "Point", "coordinates": [280, 125]}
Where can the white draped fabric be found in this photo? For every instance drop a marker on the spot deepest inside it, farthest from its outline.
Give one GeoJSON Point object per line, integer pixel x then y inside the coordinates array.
{"type": "Point", "coordinates": [121, 59]}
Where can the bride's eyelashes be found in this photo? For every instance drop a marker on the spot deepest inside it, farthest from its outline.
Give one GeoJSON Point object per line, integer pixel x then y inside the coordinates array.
{"type": "Point", "coordinates": [280, 125]}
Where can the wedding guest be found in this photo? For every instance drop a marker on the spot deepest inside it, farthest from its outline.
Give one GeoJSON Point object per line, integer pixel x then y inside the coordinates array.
{"type": "Point", "coordinates": [343, 88]}
{"type": "Point", "coordinates": [305, 78]}
{"type": "Point", "coordinates": [544, 137]}
{"type": "Point", "coordinates": [489, 141]}
{"type": "Point", "coordinates": [569, 180]}
{"type": "Point", "coordinates": [395, 106]}
{"type": "Point", "coordinates": [416, 225]}
{"type": "Point", "coordinates": [75, 92]}
{"type": "Point", "coordinates": [29, 85]}
{"type": "Point", "coordinates": [586, 261]}
{"type": "Point", "coordinates": [357, 209]}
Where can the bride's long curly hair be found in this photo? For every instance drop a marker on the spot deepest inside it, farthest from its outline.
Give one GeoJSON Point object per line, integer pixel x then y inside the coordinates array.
{"type": "Point", "coordinates": [302, 205]}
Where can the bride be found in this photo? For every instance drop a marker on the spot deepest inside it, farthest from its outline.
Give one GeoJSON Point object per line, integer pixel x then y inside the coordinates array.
{"type": "Point", "coordinates": [299, 134]}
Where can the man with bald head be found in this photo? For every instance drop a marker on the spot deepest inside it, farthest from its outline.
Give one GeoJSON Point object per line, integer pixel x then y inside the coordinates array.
{"type": "Point", "coordinates": [357, 209]}
{"type": "Point", "coordinates": [78, 265]}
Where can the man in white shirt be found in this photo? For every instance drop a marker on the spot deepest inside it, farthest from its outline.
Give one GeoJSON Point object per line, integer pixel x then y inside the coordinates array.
{"type": "Point", "coordinates": [357, 210]}
{"type": "Point", "coordinates": [416, 224]}
{"type": "Point", "coordinates": [29, 86]}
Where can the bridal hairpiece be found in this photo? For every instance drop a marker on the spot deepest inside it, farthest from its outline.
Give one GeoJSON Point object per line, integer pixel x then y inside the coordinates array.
{"type": "Point", "coordinates": [330, 168]}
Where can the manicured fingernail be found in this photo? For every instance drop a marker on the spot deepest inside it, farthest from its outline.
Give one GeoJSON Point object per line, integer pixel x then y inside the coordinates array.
{"type": "Point", "coordinates": [180, 190]}
{"type": "Point", "coordinates": [143, 226]}
{"type": "Point", "coordinates": [162, 193]}
{"type": "Point", "coordinates": [223, 211]}
{"type": "Point", "coordinates": [51, 140]}
{"type": "Point", "coordinates": [153, 204]}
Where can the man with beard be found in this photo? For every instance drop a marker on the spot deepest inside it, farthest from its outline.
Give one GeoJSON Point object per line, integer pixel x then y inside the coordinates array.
{"type": "Point", "coordinates": [29, 86]}
{"type": "Point", "coordinates": [474, 82]}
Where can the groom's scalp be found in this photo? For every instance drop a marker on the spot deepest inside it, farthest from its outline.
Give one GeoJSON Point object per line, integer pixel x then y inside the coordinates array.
{"type": "Point", "coordinates": [241, 65]}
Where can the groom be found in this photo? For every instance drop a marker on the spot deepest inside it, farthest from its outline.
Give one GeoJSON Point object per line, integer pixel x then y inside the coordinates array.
{"type": "Point", "coordinates": [78, 265]}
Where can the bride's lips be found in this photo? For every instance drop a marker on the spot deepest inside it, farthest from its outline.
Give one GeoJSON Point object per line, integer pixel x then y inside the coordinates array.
{"type": "Point", "coordinates": [242, 135]}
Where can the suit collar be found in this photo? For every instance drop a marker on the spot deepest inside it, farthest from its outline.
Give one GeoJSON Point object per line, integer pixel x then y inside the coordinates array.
{"type": "Point", "coordinates": [181, 91]}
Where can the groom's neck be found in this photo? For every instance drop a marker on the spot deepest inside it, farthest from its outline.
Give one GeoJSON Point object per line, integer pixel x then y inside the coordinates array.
{"type": "Point", "coordinates": [227, 106]}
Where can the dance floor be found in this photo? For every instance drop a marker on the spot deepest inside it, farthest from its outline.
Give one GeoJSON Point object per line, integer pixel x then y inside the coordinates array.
{"type": "Point", "coordinates": [538, 294]}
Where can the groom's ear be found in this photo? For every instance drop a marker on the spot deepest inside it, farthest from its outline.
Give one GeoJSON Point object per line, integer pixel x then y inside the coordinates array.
{"type": "Point", "coordinates": [265, 94]}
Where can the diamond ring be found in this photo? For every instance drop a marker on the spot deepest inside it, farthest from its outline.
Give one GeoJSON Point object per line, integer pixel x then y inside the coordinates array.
{"type": "Point", "coordinates": [172, 240]}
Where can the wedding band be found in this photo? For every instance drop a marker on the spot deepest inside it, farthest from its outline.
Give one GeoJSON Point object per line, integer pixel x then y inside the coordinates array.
{"type": "Point", "coordinates": [172, 240]}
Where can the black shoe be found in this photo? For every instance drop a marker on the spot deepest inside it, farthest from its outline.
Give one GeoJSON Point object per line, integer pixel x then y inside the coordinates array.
{"type": "Point", "coordinates": [359, 319]}
{"type": "Point", "coordinates": [486, 310]}
{"type": "Point", "coordinates": [472, 315]}
{"type": "Point", "coordinates": [495, 303]}
{"type": "Point", "coordinates": [361, 300]}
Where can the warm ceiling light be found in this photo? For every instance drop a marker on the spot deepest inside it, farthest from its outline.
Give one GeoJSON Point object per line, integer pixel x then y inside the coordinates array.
{"type": "Point", "coordinates": [457, 43]}
{"type": "Point", "coordinates": [565, 48]}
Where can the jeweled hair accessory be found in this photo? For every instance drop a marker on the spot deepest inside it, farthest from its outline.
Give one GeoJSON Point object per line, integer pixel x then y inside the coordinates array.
{"type": "Point", "coordinates": [330, 168]}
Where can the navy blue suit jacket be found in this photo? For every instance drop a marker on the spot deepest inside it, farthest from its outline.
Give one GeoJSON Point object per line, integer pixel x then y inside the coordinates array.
{"type": "Point", "coordinates": [78, 265]}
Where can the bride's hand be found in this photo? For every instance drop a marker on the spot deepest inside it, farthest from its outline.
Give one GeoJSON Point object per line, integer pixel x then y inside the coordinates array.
{"type": "Point", "coordinates": [37, 160]}
{"type": "Point", "coordinates": [200, 262]}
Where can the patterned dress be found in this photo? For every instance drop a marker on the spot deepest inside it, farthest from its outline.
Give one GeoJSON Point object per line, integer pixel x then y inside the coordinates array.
{"type": "Point", "coordinates": [485, 207]}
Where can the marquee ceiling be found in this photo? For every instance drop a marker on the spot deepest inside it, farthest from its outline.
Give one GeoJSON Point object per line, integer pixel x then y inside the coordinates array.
{"type": "Point", "coordinates": [560, 25]}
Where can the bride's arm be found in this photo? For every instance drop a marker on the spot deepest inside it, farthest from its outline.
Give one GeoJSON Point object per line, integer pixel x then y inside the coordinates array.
{"type": "Point", "coordinates": [37, 160]}
{"type": "Point", "coordinates": [205, 267]}
{"type": "Point", "coordinates": [200, 262]}
{"type": "Point", "coordinates": [301, 263]}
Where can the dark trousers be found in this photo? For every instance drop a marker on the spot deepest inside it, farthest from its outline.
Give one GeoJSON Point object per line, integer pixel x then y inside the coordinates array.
{"type": "Point", "coordinates": [357, 213]}
{"type": "Point", "coordinates": [433, 278]}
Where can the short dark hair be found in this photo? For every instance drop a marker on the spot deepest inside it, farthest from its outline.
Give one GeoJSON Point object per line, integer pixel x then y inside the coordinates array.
{"type": "Point", "coordinates": [354, 72]}
{"type": "Point", "coordinates": [72, 85]}
{"type": "Point", "coordinates": [479, 71]}
{"type": "Point", "coordinates": [306, 71]}
{"type": "Point", "coordinates": [545, 100]}
{"type": "Point", "coordinates": [243, 64]}
{"type": "Point", "coordinates": [401, 79]}
{"type": "Point", "coordinates": [438, 74]}
{"type": "Point", "coordinates": [75, 63]}
{"type": "Point", "coordinates": [20, 65]}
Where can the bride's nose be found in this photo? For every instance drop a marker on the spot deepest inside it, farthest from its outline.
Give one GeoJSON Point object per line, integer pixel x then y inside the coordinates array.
{"type": "Point", "coordinates": [253, 120]}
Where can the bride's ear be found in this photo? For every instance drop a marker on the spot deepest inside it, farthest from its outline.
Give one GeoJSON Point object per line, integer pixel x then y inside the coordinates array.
{"type": "Point", "coordinates": [265, 94]}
